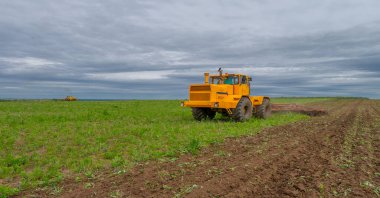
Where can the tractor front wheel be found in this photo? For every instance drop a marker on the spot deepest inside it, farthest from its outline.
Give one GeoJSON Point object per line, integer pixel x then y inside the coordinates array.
{"type": "Point", "coordinates": [243, 111]}
{"type": "Point", "coordinates": [203, 113]}
{"type": "Point", "coordinates": [211, 114]}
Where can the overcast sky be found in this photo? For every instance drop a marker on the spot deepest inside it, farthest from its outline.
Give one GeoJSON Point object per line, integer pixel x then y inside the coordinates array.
{"type": "Point", "coordinates": [125, 49]}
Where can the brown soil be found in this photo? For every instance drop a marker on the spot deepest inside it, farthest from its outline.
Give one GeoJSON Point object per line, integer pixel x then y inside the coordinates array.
{"type": "Point", "coordinates": [333, 155]}
{"type": "Point", "coordinates": [308, 110]}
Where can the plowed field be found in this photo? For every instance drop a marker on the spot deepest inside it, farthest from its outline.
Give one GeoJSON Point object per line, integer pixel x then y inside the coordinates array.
{"type": "Point", "coordinates": [333, 155]}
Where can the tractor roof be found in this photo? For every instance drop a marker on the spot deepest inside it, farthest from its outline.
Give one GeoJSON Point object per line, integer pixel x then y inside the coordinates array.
{"type": "Point", "coordinates": [227, 74]}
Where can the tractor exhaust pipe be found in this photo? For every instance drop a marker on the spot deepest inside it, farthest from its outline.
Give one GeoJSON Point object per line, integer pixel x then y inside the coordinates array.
{"type": "Point", "coordinates": [206, 78]}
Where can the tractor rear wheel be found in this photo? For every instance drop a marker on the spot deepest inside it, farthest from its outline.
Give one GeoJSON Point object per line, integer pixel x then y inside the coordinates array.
{"type": "Point", "coordinates": [264, 110]}
{"type": "Point", "coordinates": [203, 113]}
{"type": "Point", "coordinates": [243, 110]}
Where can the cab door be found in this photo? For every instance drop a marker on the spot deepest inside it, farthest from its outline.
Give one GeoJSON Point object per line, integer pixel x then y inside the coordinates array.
{"type": "Point", "coordinates": [244, 84]}
{"type": "Point", "coordinates": [237, 86]}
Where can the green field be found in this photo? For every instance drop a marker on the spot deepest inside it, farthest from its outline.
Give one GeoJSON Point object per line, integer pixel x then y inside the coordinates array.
{"type": "Point", "coordinates": [44, 141]}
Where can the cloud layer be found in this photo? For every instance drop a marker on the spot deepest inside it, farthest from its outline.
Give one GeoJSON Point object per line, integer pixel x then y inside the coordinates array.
{"type": "Point", "coordinates": [153, 49]}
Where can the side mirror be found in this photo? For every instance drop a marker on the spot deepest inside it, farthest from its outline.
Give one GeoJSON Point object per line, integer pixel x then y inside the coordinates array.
{"type": "Point", "coordinates": [250, 79]}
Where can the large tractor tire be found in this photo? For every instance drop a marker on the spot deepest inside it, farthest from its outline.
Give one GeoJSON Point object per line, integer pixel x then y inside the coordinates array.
{"type": "Point", "coordinates": [264, 110]}
{"type": "Point", "coordinates": [203, 113]}
{"type": "Point", "coordinates": [211, 114]}
{"type": "Point", "coordinates": [243, 111]}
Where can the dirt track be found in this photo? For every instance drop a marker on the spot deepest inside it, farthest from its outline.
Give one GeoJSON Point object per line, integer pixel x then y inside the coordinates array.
{"type": "Point", "coordinates": [333, 155]}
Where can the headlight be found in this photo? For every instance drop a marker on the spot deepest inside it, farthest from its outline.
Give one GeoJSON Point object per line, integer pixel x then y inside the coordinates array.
{"type": "Point", "coordinates": [182, 104]}
{"type": "Point", "coordinates": [216, 105]}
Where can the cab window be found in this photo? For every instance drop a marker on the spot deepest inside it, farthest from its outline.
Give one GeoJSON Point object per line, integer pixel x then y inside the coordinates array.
{"type": "Point", "coordinates": [216, 80]}
{"type": "Point", "coordinates": [231, 80]}
{"type": "Point", "coordinates": [244, 80]}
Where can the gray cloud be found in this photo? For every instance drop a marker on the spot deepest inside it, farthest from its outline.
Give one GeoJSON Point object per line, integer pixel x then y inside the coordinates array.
{"type": "Point", "coordinates": [150, 49]}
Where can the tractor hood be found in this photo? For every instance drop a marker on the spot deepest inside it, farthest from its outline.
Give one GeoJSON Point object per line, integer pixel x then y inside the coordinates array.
{"type": "Point", "coordinates": [200, 92]}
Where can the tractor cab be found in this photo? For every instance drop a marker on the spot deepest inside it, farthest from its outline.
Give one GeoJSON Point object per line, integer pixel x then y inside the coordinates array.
{"type": "Point", "coordinates": [239, 83]}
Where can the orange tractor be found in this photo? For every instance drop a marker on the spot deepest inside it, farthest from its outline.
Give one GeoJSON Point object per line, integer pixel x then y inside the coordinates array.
{"type": "Point", "coordinates": [228, 94]}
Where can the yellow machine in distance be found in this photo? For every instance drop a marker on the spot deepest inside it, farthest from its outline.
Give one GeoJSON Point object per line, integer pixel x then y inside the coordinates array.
{"type": "Point", "coordinates": [228, 94]}
{"type": "Point", "coordinates": [71, 98]}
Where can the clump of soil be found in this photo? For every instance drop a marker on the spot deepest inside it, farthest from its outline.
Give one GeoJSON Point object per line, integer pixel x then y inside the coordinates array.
{"type": "Point", "coordinates": [310, 111]}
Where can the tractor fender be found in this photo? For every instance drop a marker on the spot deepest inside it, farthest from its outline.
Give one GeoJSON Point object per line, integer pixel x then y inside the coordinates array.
{"type": "Point", "coordinates": [247, 98]}
{"type": "Point", "coordinates": [258, 100]}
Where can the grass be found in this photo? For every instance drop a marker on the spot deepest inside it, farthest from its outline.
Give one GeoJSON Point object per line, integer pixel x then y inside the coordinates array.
{"type": "Point", "coordinates": [7, 191]}
{"type": "Point", "coordinates": [44, 141]}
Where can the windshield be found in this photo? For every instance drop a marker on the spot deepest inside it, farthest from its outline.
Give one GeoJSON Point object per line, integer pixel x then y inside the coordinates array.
{"type": "Point", "coordinates": [216, 80]}
{"type": "Point", "coordinates": [231, 80]}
